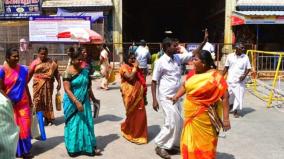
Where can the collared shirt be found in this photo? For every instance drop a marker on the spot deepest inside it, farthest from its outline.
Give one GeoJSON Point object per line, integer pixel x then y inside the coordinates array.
{"type": "Point", "coordinates": [237, 66]}
{"type": "Point", "coordinates": [142, 56]}
{"type": "Point", "coordinates": [167, 73]}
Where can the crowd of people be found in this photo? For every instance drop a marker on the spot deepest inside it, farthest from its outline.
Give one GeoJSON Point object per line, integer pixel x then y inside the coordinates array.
{"type": "Point", "coordinates": [205, 93]}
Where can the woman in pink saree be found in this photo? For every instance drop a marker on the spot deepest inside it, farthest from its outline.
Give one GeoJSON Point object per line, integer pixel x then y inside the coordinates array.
{"type": "Point", "coordinates": [13, 84]}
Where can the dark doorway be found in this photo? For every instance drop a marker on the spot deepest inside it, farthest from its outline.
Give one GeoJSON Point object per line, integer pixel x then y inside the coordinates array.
{"type": "Point", "coordinates": [149, 19]}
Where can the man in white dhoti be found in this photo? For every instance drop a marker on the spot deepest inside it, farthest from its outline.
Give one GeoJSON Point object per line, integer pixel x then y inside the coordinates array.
{"type": "Point", "coordinates": [167, 74]}
{"type": "Point", "coordinates": [238, 66]}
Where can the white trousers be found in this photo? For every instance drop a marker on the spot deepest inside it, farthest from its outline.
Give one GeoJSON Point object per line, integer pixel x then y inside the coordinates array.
{"type": "Point", "coordinates": [170, 133]}
{"type": "Point", "coordinates": [236, 92]}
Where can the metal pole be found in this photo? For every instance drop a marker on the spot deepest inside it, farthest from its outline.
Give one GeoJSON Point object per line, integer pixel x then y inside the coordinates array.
{"type": "Point", "coordinates": [257, 35]}
{"type": "Point", "coordinates": [274, 82]}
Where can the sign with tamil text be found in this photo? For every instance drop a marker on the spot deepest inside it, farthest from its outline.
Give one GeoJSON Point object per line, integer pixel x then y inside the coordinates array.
{"type": "Point", "coordinates": [20, 9]}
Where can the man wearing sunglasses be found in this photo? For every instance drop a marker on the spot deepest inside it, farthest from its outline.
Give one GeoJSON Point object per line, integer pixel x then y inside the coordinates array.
{"type": "Point", "coordinates": [238, 66]}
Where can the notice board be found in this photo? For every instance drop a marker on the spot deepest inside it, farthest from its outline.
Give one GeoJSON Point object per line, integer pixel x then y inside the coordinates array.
{"type": "Point", "coordinates": [45, 29]}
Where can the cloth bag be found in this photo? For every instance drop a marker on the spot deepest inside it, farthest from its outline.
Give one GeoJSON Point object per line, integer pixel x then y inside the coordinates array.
{"type": "Point", "coordinates": [41, 125]}
{"type": "Point", "coordinates": [97, 106]}
{"type": "Point", "coordinates": [34, 127]}
{"type": "Point", "coordinates": [215, 115]}
{"type": "Point", "coordinates": [58, 101]}
{"type": "Point", "coordinates": [111, 77]}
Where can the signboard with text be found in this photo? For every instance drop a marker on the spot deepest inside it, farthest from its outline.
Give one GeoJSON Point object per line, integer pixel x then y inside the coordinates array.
{"type": "Point", "coordinates": [20, 9]}
{"type": "Point", "coordinates": [45, 29]}
{"type": "Point", "coordinates": [254, 19]}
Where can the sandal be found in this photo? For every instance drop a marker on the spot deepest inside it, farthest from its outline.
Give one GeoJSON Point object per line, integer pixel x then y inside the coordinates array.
{"type": "Point", "coordinates": [98, 152]}
{"type": "Point", "coordinates": [236, 115]}
{"type": "Point", "coordinates": [162, 153]}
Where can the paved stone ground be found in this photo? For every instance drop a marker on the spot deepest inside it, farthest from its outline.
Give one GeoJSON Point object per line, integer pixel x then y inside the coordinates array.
{"type": "Point", "coordinates": [256, 135]}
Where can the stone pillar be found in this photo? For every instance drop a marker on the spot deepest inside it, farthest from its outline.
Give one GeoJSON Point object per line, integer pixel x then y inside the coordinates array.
{"type": "Point", "coordinates": [117, 28]}
{"type": "Point", "coordinates": [228, 32]}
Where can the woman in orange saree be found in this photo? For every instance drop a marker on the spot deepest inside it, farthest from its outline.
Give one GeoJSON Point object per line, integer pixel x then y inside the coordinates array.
{"type": "Point", "coordinates": [133, 89]}
{"type": "Point", "coordinates": [43, 70]}
{"type": "Point", "coordinates": [202, 90]}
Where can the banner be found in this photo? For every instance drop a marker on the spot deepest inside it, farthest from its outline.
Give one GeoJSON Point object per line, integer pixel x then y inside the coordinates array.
{"type": "Point", "coordinates": [20, 9]}
{"type": "Point", "coordinates": [46, 28]}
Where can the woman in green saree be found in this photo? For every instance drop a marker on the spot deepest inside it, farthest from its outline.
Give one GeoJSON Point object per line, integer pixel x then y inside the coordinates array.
{"type": "Point", "coordinates": [79, 133]}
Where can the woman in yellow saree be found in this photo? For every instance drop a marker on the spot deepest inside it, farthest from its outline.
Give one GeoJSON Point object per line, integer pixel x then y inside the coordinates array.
{"type": "Point", "coordinates": [202, 90]}
{"type": "Point", "coordinates": [133, 90]}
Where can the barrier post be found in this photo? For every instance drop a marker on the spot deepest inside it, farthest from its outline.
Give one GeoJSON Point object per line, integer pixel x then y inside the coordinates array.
{"type": "Point", "coordinates": [274, 82]}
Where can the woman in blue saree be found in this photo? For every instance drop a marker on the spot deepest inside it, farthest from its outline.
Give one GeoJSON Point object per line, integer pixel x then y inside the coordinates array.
{"type": "Point", "coordinates": [79, 133]}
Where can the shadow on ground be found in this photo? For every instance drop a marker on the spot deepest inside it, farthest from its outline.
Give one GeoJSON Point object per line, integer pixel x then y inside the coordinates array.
{"type": "Point", "coordinates": [246, 111]}
{"type": "Point", "coordinates": [103, 141]}
{"type": "Point", "coordinates": [221, 155]}
{"type": "Point", "coordinates": [153, 131]}
{"type": "Point", "coordinates": [40, 147]}
{"type": "Point", "coordinates": [59, 120]}
{"type": "Point", "coordinates": [107, 117]}
{"type": "Point", "coordinates": [113, 87]}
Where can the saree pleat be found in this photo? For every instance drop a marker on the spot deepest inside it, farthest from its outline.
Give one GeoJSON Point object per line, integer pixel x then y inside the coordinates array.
{"type": "Point", "coordinates": [15, 88]}
{"type": "Point", "coordinates": [199, 137]}
{"type": "Point", "coordinates": [8, 129]}
{"type": "Point", "coordinates": [134, 128]}
{"type": "Point", "coordinates": [79, 133]}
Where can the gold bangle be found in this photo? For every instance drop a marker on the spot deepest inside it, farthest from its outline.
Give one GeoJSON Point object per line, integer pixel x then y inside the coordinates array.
{"type": "Point", "coordinates": [75, 100]}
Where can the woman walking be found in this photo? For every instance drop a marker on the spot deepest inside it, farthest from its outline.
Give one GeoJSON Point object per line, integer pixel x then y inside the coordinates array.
{"type": "Point", "coordinates": [105, 66]}
{"type": "Point", "coordinates": [79, 125]}
{"type": "Point", "coordinates": [203, 91]}
{"type": "Point", "coordinates": [13, 83]}
{"type": "Point", "coordinates": [43, 70]}
{"type": "Point", "coordinates": [133, 89]}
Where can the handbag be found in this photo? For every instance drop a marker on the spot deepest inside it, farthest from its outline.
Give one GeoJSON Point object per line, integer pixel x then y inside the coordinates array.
{"type": "Point", "coordinates": [34, 127]}
{"type": "Point", "coordinates": [97, 106]}
{"type": "Point", "coordinates": [111, 77]}
{"type": "Point", "coordinates": [215, 119]}
{"type": "Point", "coordinates": [58, 101]}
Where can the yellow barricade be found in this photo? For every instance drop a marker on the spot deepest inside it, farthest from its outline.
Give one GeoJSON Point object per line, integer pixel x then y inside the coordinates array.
{"type": "Point", "coordinates": [273, 94]}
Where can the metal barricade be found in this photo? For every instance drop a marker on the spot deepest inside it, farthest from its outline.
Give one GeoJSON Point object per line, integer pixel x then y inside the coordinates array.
{"type": "Point", "coordinates": [269, 63]}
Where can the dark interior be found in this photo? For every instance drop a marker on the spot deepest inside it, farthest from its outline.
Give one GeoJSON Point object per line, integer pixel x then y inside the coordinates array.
{"type": "Point", "coordinates": [149, 19]}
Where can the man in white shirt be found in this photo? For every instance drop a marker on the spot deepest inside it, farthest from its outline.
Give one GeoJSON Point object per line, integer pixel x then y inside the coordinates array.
{"type": "Point", "coordinates": [143, 56]}
{"type": "Point", "coordinates": [209, 47]}
{"type": "Point", "coordinates": [238, 66]}
{"type": "Point", "coordinates": [167, 74]}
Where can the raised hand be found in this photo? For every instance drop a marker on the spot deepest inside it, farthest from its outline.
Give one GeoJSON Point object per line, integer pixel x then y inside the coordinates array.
{"type": "Point", "coordinates": [206, 35]}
